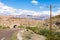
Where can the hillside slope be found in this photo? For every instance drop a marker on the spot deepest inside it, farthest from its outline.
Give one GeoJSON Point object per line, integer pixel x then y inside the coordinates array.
{"type": "Point", "coordinates": [55, 22]}
{"type": "Point", "coordinates": [11, 21]}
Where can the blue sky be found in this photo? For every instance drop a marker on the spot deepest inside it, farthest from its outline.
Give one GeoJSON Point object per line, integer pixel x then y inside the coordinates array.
{"type": "Point", "coordinates": [33, 5]}
{"type": "Point", "coordinates": [28, 5]}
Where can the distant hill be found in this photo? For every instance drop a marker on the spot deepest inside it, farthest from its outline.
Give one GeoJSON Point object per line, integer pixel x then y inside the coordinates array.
{"type": "Point", "coordinates": [27, 21]}
{"type": "Point", "coordinates": [55, 22]}
{"type": "Point", "coordinates": [55, 18]}
{"type": "Point", "coordinates": [11, 21]}
{"type": "Point", "coordinates": [58, 16]}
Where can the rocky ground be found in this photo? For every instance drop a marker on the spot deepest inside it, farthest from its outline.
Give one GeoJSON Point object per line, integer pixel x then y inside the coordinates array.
{"type": "Point", "coordinates": [25, 34]}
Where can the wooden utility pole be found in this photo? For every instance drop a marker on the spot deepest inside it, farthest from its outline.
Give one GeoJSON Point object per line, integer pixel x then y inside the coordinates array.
{"type": "Point", "coordinates": [50, 19]}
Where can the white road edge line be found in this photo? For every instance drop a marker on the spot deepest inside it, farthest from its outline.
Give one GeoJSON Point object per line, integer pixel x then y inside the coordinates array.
{"type": "Point", "coordinates": [3, 38]}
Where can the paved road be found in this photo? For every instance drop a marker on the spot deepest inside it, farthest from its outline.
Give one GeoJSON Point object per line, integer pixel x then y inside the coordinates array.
{"type": "Point", "coordinates": [7, 33]}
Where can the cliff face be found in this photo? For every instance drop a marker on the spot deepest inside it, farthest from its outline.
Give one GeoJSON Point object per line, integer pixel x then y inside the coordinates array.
{"type": "Point", "coordinates": [11, 21]}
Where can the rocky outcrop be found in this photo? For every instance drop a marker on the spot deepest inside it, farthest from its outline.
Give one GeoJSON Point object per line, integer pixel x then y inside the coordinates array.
{"type": "Point", "coordinates": [25, 34]}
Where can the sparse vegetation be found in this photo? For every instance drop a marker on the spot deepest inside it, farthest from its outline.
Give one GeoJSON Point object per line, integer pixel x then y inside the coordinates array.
{"type": "Point", "coordinates": [34, 29]}
{"type": "Point", "coordinates": [58, 16]}
{"type": "Point", "coordinates": [45, 32]}
{"type": "Point", "coordinates": [1, 27]}
{"type": "Point", "coordinates": [5, 27]}
{"type": "Point", "coordinates": [53, 36]}
{"type": "Point", "coordinates": [21, 26]}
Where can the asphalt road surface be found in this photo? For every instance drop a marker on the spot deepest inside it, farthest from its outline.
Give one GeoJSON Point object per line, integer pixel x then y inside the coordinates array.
{"type": "Point", "coordinates": [6, 34]}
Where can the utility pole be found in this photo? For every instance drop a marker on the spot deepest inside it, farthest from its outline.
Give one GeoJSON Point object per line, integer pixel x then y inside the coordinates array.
{"type": "Point", "coordinates": [50, 32]}
{"type": "Point", "coordinates": [50, 19]}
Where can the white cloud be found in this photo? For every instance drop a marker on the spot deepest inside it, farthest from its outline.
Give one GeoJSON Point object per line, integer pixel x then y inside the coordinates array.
{"type": "Point", "coordinates": [6, 10]}
{"type": "Point", "coordinates": [58, 8]}
{"type": "Point", "coordinates": [34, 2]}
{"type": "Point", "coordinates": [41, 7]}
{"type": "Point", "coordinates": [57, 13]}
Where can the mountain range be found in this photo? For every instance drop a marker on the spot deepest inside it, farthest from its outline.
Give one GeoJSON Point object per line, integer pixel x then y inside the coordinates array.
{"type": "Point", "coordinates": [40, 17]}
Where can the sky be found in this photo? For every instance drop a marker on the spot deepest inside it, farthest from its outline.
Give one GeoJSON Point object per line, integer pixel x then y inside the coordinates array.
{"type": "Point", "coordinates": [32, 7]}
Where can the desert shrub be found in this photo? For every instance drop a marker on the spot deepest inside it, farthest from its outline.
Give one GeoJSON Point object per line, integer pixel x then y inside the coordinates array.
{"type": "Point", "coordinates": [0, 26]}
{"type": "Point", "coordinates": [5, 27]}
{"type": "Point", "coordinates": [34, 29]}
{"type": "Point", "coordinates": [39, 30]}
{"type": "Point", "coordinates": [50, 36]}
{"type": "Point", "coordinates": [44, 32]}
{"type": "Point", "coordinates": [53, 36]}
{"type": "Point", "coordinates": [21, 27]}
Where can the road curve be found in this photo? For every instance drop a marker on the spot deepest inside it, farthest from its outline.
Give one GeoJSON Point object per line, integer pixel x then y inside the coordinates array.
{"type": "Point", "coordinates": [6, 34]}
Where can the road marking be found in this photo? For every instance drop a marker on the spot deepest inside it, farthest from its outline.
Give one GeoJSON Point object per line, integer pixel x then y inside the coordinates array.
{"type": "Point", "coordinates": [3, 38]}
